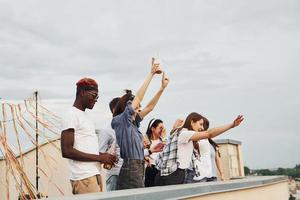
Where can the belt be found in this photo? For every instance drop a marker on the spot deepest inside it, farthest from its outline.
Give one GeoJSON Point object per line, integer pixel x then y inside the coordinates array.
{"type": "Point", "coordinates": [130, 160]}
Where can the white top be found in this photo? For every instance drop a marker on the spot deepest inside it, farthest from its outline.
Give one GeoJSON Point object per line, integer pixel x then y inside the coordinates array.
{"type": "Point", "coordinates": [153, 156]}
{"type": "Point", "coordinates": [85, 140]}
{"type": "Point", "coordinates": [107, 138]}
{"type": "Point", "coordinates": [185, 148]}
{"type": "Point", "coordinates": [205, 159]}
{"type": "Point", "coordinates": [213, 161]}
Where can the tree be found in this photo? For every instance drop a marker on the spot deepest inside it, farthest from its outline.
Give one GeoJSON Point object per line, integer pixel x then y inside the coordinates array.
{"type": "Point", "coordinates": [292, 198]}
{"type": "Point", "coordinates": [246, 170]}
{"type": "Point", "coordinates": [281, 171]}
{"type": "Point", "coordinates": [265, 172]}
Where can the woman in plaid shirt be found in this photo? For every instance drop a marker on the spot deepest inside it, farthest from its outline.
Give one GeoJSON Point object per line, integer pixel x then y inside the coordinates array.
{"type": "Point", "coordinates": [177, 154]}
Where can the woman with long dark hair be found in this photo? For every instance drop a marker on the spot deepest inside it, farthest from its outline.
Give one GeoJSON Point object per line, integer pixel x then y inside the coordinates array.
{"type": "Point", "coordinates": [154, 134]}
{"type": "Point", "coordinates": [177, 154]}
{"type": "Point", "coordinates": [207, 156]}
{"type": "Point", "coordinates": [126, 121]}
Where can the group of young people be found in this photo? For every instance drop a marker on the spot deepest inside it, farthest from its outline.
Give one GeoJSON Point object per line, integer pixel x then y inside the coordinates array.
{"type": "Point", "coordinates": [185, 155]}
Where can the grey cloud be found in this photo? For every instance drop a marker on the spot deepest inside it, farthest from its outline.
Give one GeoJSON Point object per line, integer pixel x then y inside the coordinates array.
{"type": "Point", "coordinates": [222, 59]}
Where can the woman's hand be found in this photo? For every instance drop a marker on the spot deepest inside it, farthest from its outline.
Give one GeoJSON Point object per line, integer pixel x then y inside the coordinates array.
{"type": "Point", "coordinates": [155, 68]}
{"type": "Point", "coordinates": [237, 121]}
{"type": "Point", "coordinates": [222, 177]}
{"type": "Point", "coordinates": [164, 81]}
{"type": "Point", "coordinates": [157, 148]}
{"type": "Point", "coordinates": [178, 123]}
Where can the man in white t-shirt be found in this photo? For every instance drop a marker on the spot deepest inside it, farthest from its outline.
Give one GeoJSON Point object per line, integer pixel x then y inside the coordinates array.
{"type": "Point", "coordinates": [79, 142]}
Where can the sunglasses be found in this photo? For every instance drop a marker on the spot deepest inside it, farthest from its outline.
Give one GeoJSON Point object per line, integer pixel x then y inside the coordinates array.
{"type": "Point", "coordinates": [95, 96]}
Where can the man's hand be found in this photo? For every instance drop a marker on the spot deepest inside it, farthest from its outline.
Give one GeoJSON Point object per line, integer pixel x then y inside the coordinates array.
{"type": "Point", "coordinates": [107, 158]}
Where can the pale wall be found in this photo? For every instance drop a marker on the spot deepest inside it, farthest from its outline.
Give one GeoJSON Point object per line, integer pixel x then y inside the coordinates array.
{"type": "Point", "coordinates": [232, 160]}
{"type": "Point", "coordinates": [277, 191]}
{"type": "Point", "coordinates": [52, 164]}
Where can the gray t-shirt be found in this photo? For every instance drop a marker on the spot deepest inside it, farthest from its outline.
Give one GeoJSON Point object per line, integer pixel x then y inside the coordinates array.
{"type": "Point", "coordinates": [106, 138]}
{"type": "Point", "coordinates": [129, 138]}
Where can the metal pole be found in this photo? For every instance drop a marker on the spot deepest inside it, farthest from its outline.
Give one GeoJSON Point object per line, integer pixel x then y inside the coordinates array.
{"type": "Point", "coordinates": [37, 143]}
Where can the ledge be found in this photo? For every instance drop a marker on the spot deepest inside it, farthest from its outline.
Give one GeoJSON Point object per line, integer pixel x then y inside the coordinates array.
{"type": "Point", "coordinates": [182, 191]}
{"type": "Point", "coordinates": [228, 141]}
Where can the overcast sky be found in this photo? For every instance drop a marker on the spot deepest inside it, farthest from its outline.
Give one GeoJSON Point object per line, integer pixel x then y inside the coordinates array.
{"type": "Point", "coordinates": [223, 58]}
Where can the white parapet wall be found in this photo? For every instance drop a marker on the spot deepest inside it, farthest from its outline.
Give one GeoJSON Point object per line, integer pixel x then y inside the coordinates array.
{"type": "Point", "coordinates": [56, 168]}
{"type": "Point", "coordinates": [249, 188]}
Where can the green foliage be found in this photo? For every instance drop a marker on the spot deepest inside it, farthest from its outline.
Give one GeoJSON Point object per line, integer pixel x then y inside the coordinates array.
{"type": "Point", "coordinates": [246, 170]}
{"type": "Point", "coordinates": [292, 198]}
{"type": "Point", "coordinates": [291, 172]}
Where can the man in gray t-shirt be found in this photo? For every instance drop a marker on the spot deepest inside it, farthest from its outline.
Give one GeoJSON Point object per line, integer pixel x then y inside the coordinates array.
{"type": "Point", "coordinates": [107, 140]}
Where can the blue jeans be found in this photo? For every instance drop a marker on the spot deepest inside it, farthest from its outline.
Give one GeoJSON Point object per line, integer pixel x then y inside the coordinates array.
{"type": "Point", "coordinates": [189, 175]}
{"type": "Point", "coordinates": [111, 183]}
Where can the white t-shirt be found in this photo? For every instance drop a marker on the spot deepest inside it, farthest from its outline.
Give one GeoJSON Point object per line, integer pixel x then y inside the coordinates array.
{"type": "Point", "coordinates": [185, 148]}
{"type": "Point", "coordinates": [85, 140]}
{"type": "Point", "coordinates": [213, 161]}
{"type": "Point", "coordinates": [205, 157]}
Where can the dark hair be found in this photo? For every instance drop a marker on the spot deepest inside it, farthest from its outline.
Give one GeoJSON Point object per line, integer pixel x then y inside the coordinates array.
{"type": "Point", "coordinates": [205, 123]}
{"type": "Point", "coordinates": [187, 124]}
{"type": "Point", "coordinates": [191, 117]}
{"type": "Point", "coordinates": [113, 103]}
{"type": "Point", "coordinates": [206, 126]}
{"type": "Point", "coordinates": [152, 124]}
{"type": "Point", "coordinates": [122, 103]}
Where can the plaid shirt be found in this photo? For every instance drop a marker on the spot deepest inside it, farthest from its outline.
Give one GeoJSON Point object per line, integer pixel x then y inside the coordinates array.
{"type": "Point", "coordinates": [167, 160]}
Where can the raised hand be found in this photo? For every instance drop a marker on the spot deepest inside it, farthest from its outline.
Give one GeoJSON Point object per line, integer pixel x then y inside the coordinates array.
{"type": "Point", "coordinates": [155, 68]}
{"type": "Point", "coordinates": [164, 81]}
{"type": "Point", "coordinates": [237, 121]}
{"type": "Point", "coordinates": [178, 123]}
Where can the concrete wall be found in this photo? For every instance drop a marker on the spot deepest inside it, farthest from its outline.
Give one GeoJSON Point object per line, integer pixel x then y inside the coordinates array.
{"type": "Point", "coordinates": [258, 188]}
{"type": "Point", "coordinates": [276, 191]}
{"type": "Point", "coordinates": [57, 169]}
{"type": "Point", "coordinates": [52, 164]}
{"type": "Point", "coordinates": [232, 158]}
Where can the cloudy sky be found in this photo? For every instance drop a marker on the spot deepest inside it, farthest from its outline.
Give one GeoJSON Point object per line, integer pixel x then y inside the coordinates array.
{"type": "Point", "coordinates": [223, 58]}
